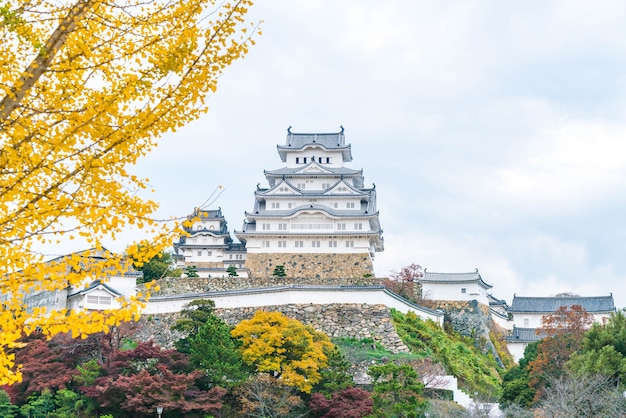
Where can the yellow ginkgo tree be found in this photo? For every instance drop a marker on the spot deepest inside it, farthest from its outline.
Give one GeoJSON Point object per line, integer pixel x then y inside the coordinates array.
{"type": "Point", "coordinates": [285, 347]}
{"type": "Point", "coordinates": [86, 88]}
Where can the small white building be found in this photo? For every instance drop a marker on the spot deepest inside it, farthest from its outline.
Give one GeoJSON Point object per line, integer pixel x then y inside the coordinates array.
{"type": "Point", "coordinates": [527, 314]}
{"type": "Point", "coordinates": [455, 286]}
{"type": "Point", "coordinates": [99, 292]}
{"type": "Point", "coordinates": [209, 247]}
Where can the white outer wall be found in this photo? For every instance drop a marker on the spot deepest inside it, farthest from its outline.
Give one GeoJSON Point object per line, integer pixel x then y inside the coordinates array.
{"type": "Point", "coordinates": [516, 350]}
{"type": "Point", "coordinates": [158, 305]}
{"type": "Point", "coordinates": [336, 158]}
{"type": "Point", "coordinates": [535, 320]}
{"type": "Point", "coordinates": [504, 323]}
{"type": "Point", "coordinates": [452, 291]}
{"type": "Point", "coordinates": [255, 245]}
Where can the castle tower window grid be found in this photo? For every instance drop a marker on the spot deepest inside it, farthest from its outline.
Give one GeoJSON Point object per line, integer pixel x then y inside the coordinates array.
{"type": "Point", "coordinates": [314, 203]}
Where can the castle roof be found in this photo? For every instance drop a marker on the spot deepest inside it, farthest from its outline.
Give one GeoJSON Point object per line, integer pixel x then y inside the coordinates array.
{"type": "Point", "coordinates": [524, 335]}
{"type": "Point", "coordinates": [328, 172]}
{"type": "Point", "coordinates": [95, 285]}
{"type": "Point", "coordinates": [454, 278]}
{"type": "Point", "coordinates": [296, 142]}
{"type": "Point", "coordinates": [551, 304]}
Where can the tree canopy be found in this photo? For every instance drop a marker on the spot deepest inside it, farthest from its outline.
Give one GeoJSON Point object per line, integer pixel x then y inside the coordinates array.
{"type": "Point", "coordinates": [86, 88]}
{"type": "Point", "coordinates": [276, 344]}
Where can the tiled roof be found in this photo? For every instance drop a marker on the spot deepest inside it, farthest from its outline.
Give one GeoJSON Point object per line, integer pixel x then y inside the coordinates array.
{"type": "Point", "coordinates": [332, 171]}
{"type": "Point", "coordinates": [330, 141]}
{"type": "Point", "coordinates": [495, 301]}
{"type": "Point", "coordinates": [430, 277]}
{"type": "Point", "coordinates": [524, 335]}
{"type": "Point", "coordinates": [551, 304]}
{"type": "Point", "coordinates": [94, 285]}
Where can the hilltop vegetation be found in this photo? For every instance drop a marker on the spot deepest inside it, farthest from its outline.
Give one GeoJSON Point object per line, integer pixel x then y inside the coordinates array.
{"type": "Point", "coordinates": [267, 366]}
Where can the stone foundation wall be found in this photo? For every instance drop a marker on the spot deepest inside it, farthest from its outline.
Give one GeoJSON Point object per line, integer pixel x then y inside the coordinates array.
{"type": "Point", "coordinates": [471, 319]}
{"type": "Point", "coordinates": [335, 320]}
{"type": "Point", "coordinates": [318, 266]}
{"type": "Point", "coordinates": [207, 264]}
{"type": "Point", "coordinates": [187, 285]}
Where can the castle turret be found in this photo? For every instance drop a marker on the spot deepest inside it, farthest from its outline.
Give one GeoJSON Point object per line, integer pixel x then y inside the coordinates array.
{"type": "Point", "coordinates": [316, 218]}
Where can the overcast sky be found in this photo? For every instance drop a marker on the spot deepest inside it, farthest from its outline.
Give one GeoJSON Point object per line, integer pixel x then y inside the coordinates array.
{"type": "Point", "coordinates": [495, 132]}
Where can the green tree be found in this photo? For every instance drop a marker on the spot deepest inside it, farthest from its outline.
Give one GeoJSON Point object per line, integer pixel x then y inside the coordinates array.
{"type": "Point", "coordinates": [397, 391]}
{"type": "Point", "coordinates": [603, 350]}
{"type": "Point", "coordinates": [279, 271]}
{"type": "Point", "coordinates": [159, 266]}
{"type": "Point", "coordinates": [70, 404]}
{"type": "Point", "coordinates": [232, 271]}
{"type": "Point", "coordinates": [274, 343]}
{"type": "Point", "coordinates": [214, 351]}
{"type": "Point", "coordinates": [191, 271]}
{"type": "Point", "coordinates": [192, 317]}
{"type": "Point", "coordinates": [336, 376]}
{"type": "Point", "coordinates": [39, 406]}
{"type": "Point", "coordinates": [516, 382]}
{"type": "Point", "coordinates": [7, 409]}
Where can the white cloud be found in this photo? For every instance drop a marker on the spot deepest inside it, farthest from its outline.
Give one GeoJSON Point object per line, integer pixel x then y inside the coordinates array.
{"type": "Point", "coordinates": [572, 164]}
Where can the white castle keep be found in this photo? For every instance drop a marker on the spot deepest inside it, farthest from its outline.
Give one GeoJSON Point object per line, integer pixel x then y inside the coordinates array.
{"type": "Point", "coordinates": [316, 218]}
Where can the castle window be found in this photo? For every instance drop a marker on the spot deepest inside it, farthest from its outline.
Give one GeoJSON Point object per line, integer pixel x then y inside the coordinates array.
{"type": "Point", "coordinates": [349, 244]}
{"type": "Point", "coordinates": [297, 160]}
{"type": "Point", "coordinates": [315, 244]}
{"type": "Point", "coordinates": [282, 244]}
{"type": "Point", "coordinates": [463, 290]}
{"type": "Point", "coordinates": [335, 205]}
{"type": "Point", "coordinates": [327, 160]}
{"type": "Point", "coordinates": [301, 185]}
{"type": "Point", "coordinates": [99, 300]}
{"type": "Point", "coordinates": [299, 244]}
{"type": "Point", "coordinates": [341, 227]}
{"type": "Point", "coordinates": [304, 160]}
{"type": "Point", "coordinates": [350, 205]}
{"type": "Point", "coordinates": [266, 227]}
{"type": "Point", "coordinates": [275, 205]}
{"type": "Point", "coordinates": [266, 244]}
{"type": "Point", "coordinates": [526, 324]}
{"type": "Point", "coordinates": [289, 205]}
{"type": "Point", "coordinates": [358, 226]}
{"type": "Point", "coordinates": [282, 227]}
{"type": "Point", "coordinates": [320, 160]}
{"type": "Point", "coordinates": [209, 253]}
{"type": "Point", "coordinates": [332, 244]}
{"type": "Point", "coordinates": [325, 186]}
{"type": "Point", "coordinates": [199, 253]}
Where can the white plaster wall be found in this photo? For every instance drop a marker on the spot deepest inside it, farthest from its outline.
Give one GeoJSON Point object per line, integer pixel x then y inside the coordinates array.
{"type": "Point", "coordinates": [516, 350]}
{"type": "Point", "coordinates": [535, 320]}
{"type": "Point", "coordinates": [504, 323]}
{"type": "Point", "coordinates": [336, 159]}
{"type": "Point", "coordinates": [361, 245]}
{"type": "Point", "coordinates": [452, 291]}
{"type": "Point", "coordinates": [126, 286]}
{"type": "Point", "coordinates": [167, 304]}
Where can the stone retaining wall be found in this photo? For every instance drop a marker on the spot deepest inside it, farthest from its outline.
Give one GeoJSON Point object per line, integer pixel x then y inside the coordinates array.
{"type": "Point", "coordinates": [186, 285]}
{"type": "Point", "coordinates": [316, 266]}
{"type": "Point", "coordinates": [335, 320]}
{"type": "Point", "coordinates": [207, 264]}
